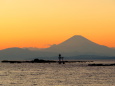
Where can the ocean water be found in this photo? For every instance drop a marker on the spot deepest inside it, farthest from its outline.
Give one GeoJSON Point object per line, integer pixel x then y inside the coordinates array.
{"type": "Point", "coordinates": [54, 74]}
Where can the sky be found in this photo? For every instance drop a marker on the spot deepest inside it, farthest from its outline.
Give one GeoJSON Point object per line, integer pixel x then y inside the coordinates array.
{"type": "Point", "coordinates": [41, 23]}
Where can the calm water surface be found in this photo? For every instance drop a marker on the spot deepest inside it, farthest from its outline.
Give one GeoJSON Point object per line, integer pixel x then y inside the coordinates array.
{"type": "Point", "coordinates": [69, 74]}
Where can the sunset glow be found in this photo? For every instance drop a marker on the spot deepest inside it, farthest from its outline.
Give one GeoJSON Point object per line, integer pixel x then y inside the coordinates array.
{"type": "Point", "coordinates": [41, 23]}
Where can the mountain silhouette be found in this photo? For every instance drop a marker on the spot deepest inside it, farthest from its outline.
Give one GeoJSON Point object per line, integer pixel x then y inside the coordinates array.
{"type": "Point", "coordinates": [78, 45]}
{"type": "Point", "coordinates": [72, 48]}
{"type": "Point", "coordinates": [24, 54]}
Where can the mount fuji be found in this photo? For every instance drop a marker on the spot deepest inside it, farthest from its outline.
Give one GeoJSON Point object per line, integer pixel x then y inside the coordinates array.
{"type": "Point", "coordinates": [79, 45]}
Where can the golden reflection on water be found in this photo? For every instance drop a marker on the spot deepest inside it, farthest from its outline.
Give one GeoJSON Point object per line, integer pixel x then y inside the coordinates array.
{"type": "Point", "coordinates": [69, 74]}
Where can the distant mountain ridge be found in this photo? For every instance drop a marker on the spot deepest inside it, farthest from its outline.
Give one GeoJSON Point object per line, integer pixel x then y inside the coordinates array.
{"type": "Point", "coordinates": [72, 48]}
{"type": "Point", "coordinates": [81, 45]}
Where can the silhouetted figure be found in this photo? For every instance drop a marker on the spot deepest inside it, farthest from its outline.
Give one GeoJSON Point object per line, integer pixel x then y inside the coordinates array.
{"type": "Point", "coordinates": [61, 59]}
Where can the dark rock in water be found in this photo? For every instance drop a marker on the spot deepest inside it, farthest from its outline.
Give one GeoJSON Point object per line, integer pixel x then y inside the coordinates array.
{"type": "Point", "coordinates": [33, 61]}
{"type": "Point", "coordinates": [101, 64]}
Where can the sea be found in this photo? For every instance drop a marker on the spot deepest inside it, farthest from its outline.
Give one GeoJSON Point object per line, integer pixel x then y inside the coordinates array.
{"type": "Point", "coordinates": [54, 74]}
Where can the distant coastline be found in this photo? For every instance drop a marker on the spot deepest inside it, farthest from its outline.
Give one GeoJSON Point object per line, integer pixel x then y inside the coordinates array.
{"type": "Point", "coordinates": [40, 61]}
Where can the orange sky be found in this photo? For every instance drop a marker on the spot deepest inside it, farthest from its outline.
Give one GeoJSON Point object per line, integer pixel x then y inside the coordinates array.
{"type": "Point", "coordinates": [40, 23]}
